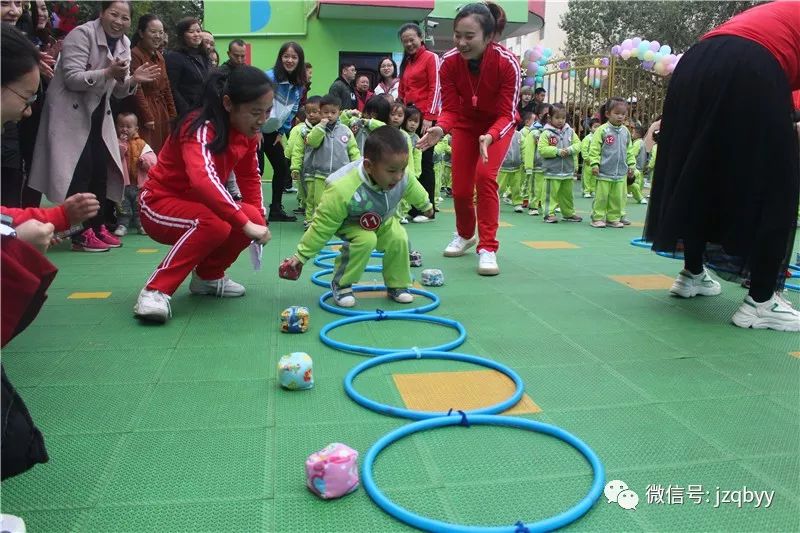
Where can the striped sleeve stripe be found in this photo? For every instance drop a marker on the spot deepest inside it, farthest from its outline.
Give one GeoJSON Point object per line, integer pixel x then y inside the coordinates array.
{"type": "Point", "coordinates": [517, 82]}
{"type": "Point", "coordinates": [437, 89]}
{"type": "Point", "coordinates": [211, 169]}
{"type": "Point", "coordinates": [437, 104]}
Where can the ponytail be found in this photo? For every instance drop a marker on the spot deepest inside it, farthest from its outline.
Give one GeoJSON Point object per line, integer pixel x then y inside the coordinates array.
{"type": "Point", "coordinates": [491, 17]}
{"type": "Point", "coordinates": [244, 84]}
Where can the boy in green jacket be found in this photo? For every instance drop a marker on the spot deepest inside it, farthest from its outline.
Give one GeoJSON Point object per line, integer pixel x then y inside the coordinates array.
{"type": "Point", "coordinates": [298, 133]}
{"type": "Point", "coordinates": [587, 178]}
{"type": "Point", "coordinates": [358, 206]}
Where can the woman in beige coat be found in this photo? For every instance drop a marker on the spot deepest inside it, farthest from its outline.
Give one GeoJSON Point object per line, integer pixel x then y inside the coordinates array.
{"type": "Point", "coordinates": [76, 146]}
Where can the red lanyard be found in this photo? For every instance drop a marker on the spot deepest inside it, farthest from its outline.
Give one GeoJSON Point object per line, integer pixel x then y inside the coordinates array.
{"type": "Point", "coordinates": [469, 78]}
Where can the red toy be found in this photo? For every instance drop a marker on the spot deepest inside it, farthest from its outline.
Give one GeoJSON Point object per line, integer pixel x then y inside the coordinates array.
{"type": "Point", "coordinates": [287, 271]}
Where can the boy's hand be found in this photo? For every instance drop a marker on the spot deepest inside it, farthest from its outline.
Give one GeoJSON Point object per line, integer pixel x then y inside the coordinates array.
{"type": "Point", "coordinates": [595, 171]}
{"type": "Point", "coordinates": [290, 268]}
{"type": "Point", "coordinates": [324, 122]}
{"type": "Point", "coordinates": [630, 173]}
{"type": "Point", "coordinates": [564, 152]}
{"type": "Point", "coordinates": [355, 127]}
{"type": "Point", "coordinates": [80, 207]}
{"type": "Point", "coordinates": [295, 174]}
{"type": "Point", "coordinates": [429, 213]}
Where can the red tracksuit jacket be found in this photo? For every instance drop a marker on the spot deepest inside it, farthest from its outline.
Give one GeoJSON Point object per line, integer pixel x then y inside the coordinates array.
{"type": "Point", "coordinates": [55, 215]}
{"type": "Point", "coordinates": [490, 95]}
{"type": "Point", "coordinates": [187, 169]}
{"type": "Point", "coordinates": [419, 83]}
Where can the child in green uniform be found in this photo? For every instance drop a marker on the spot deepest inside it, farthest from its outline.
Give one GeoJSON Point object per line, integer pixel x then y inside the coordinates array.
{"type": "Point", "coordinates": [559, 146]}
{"type": "Point", "coordinates": [651, 162]}
{"type": "Point", "coordinates": [640, 155]}
{"type": "Point", "coordinates": [612, 162]}
{"type": "Point", "coordinates": [510, 175]}
{"type": "Point", "coordinates": [587, 178]}
{"type": "Point", "coordinates": [298, 133]}
{"type": "Point", "coordinates": [533, 163]}
{"type": "Point", "coordinates": [327, 147]}
{"type": "Point", "coordinates": [358, 207]}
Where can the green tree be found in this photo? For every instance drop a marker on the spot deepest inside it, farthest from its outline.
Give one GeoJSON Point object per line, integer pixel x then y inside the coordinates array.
{"type": "Point", "coordinates": [594, 26]}
{"type": "Point", "coordinates": [170, 12]}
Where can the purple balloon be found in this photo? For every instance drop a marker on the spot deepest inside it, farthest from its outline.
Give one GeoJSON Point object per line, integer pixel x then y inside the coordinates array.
{"type": "Point", "coordinates": [604, 62]}
{"type": "Point", "coordinates": [616, 50]}
{"type": "Point", "coordinates": [647, 65]}
{"type": "Point", "coordinates": [655, 46]}
{"type": "Point", "coordinates": [636, 41]}
{"type": "Point", "coordinates": [529, 81]}
{"type": "Point", "coordinates": [532, 66]}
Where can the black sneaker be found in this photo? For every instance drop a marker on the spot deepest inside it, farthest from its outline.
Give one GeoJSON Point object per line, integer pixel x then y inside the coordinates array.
{"type": "Point", "coordinates": [279, 215]}
{"type": "Point", "coordinates": [299, 210]}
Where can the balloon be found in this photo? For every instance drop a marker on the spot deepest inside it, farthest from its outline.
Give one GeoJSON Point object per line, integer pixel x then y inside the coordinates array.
{"type": "Point", "coordinates": [665, 50]}
{"type": "Point", "coordinates": [647, 65]}
{"type": "Point", "coordinates": [671, 58]}
{"type": "Point", "coordinates": [616, 49]}
{"type": "Point", "coordinates": [627, 44]}
{"type": "Point", "coordinates": [626, 54]}
{"type": "Point", "coordinates": [573, 73]}
{"type": "Point", "coordinates": [527, 55]}
{"type": "Point", "coordinates": [565, 75]}
{"type": "Point", "coordinates": [538, 48]}
{"type": "Point", "coordinates": [535, 55]}
{"type": "Point", "coordinates": [670, 68]}
{"type": "Point", "coordinates": [660, 69]}
{"type": "Point", "coordinates": [532, 67]}
{"type": "Point", "coordinates": [658, 56]}
{"type": "Point", "coordinates": [585, 80]}
{"type": "Point", "coordinates": [604, 62]}
{"type": "Point", "coordinates": [547, 52]}
{"type": "Point", "coordinates": [528, 81]}
{"type": "Point", "coordinates": [643, 46]}
{"type": "Point", "coordinates": [596, 84]}
{"type": "Point", "coordinates": [655, 45]}
{"type": "Point", "coordinates": [636, 41]}
{"type": "Point", "coordinates": [649, 55]}
{"type": "Point", "coordinates": [541, 71]}
{"type": "Point", "coordinates": [603, 73]}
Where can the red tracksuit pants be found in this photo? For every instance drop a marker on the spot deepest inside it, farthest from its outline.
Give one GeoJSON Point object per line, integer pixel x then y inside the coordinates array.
{"type": "Point", "coordinates": [470, 173]}
{"type": "Point", "coordinates": [201, 240]}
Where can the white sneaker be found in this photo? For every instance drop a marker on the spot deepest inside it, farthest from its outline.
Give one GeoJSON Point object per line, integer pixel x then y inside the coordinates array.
{"type": "Point", "coordinates": [487, 263]}
{"type": "Point", "coordinates": [402, 296]}
{"type": "Point", "coordinates": [629, 195]}
{"type": "Point", "coordinates": [518, 209]}
{"type": "Point", "coordinates": [223, 287]}
{"type": "Point", "coordinates": [343, 296]}
{"type": "Point", "coordinates": [557, 210]}
{"type": "Point", "coordinates": [152, 305]}
{"type": "Point", "coordinates": [688, 285]}
{"type": "Point", "coordinates": [459, 246]}
{"type": "Point", "coordinates": [587, 195]}
{"type": "Point", "coordinates": [775, 313]}
{"type": "Point", "coordinates": [421, 219]}
{"type": "Point", "coordinates": [506, 200]}
{"type": "Point", "coordinates": [643, 201]}
{"type": "Point", "coordinates": [403, 220]}
{"type": "Point", "coordinates": [11, 524]}
{"type": "Point", "coordinates": [121, 231]}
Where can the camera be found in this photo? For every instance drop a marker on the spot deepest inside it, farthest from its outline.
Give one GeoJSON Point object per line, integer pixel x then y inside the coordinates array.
{"type": "Point", "coordinates": [431, 23]}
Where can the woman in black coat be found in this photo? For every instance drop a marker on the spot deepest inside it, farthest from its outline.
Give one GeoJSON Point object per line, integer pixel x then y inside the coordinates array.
{"type": "Point", "coordinates": [187, 66]}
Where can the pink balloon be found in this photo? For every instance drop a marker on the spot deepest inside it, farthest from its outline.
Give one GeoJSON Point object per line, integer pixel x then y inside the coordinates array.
{"type": "Point", "coordinates": [626, 54]}
{"type": "Point", "coordinates": [565, 75]}
{"type": "Point", "coordinates": [655, 46]}
{"type": "Point", "coordinates": [627, 44]}
{"type": "Point", "coordinates": [636, 41]}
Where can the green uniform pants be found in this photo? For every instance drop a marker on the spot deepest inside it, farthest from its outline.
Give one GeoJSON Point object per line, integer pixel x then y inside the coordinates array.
{"type": "Point", "coordinates": [390, 238]}
{"type": "Point", "coordinates": [609, 199]}
{"type": "Point", "coordinates": [314, 189]}
{"type": "Point", "coordinates": [558, 192]}
{"type": "Point", "coordinates": [588, 180]}
{"type": "Point", "coordinates": [511, 180]}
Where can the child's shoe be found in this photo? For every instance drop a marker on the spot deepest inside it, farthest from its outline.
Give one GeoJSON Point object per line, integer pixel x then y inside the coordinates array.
{"type": "Point", "coordinates": [403, 220]}
{"type": "Point", "coordinates": [557, 209]}
{"type": "Point", "coordinates": [518, 209]}
{"type": "Point", "coordinates": [643, 201]}
{"type": "Point", "coordinates": [402, 296]}
{"type": "Point", "coordinates": [152, 305]}
{"type": "Point", "coordinates": [223, 287]}
{"type": "Point", "coordinates": [550, 219]}
{"type": "Point", "coordinates": [524, 204]}
{"type": "Point", "coordinates": [421, 219]}
{"type": "Point", "coordinates": [775, 313]}
{"type": "Point", "coordinates": [104, 235]}
{"type": "Point", "coordinates": [629, 195]}
{"type": "Point", "coordinates": [688, 285]}
{"type": "Point", "coordinates": [573, 218]}
{"type": "Point", "coordinates": [121, 231]}
{"type": "Point", "coordinates": [533, 212]}
{"type": "Point", "coordinates": [88, 242]}
{"type": "Point", "coordinates": [587, 195]}
{"type": "Point", "coordinates": [506, 200]}
{"type": "Point", "coordinates": [598, 224]}
{"type": "Point", "coordinates": [142, 230]}
{"type": "Point", "coordinates": [343, 296]}
{"type": "Point", "coordinates": [616, 224]}
{"type": "Point", "coordinates": [625, 221]}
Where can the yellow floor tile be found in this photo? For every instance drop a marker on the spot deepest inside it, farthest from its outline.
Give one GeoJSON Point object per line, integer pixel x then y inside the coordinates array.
{"type": "Point", "coordinates": [88, 295]}
{"type": "Point", "coordinates": [645, 282]}
{"type": "Point", "coordinates": [447, 210]}
{"type": "Point", "coordinates": [550, 245]}
{"type": "Point", "coordinates": [795, 354]}
{"type": "Point", "coordinates": [473, 389]}
{"type": "Point", "coordinates": [147, 251]}
{"type": "Point", "coordinates": [503, 224]}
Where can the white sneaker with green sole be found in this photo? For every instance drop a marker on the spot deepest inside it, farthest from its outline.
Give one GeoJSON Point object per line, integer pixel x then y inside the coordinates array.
{"type": "Point", "coordinates": [776, 313]}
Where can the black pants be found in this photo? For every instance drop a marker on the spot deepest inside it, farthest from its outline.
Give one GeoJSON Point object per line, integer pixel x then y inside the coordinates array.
{"type": "Point", "coordinates": [11, 187]}
{"type": "Point", "coordinates": [91, 172]}
{"type": "Point", "coordinates": [280, 170]}
{"type": "Point", "coordinates": [427, 179]}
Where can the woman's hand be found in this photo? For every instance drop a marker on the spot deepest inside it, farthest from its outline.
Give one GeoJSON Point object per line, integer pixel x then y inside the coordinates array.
{"type": "Point", "coordinates": [146, 73]}
{"type": "Point", "coordinates": [484, 141]}
{"type": "Point", "coordinates": [46, 64]}
{"type": "Point", "coordinates": [278, 140]}
{"type": "Point", "coordinates": [257, 232]}
{"type": "Point", "coordinates": [117, 69]}
{"type": "Point", "coordinates": [426, 125]}
{"type": "Point", "coordinates": [37, 234]}
{"type": "Point", "coordinates": [80, 207]}
{"type": "Point", "coordinates": [431, 137]}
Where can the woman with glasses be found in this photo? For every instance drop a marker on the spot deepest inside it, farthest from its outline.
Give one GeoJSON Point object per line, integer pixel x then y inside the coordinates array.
{"type": "Point", "coordinates": [155, 107]}
{"type": "Point", "coordinates": [76, 147]}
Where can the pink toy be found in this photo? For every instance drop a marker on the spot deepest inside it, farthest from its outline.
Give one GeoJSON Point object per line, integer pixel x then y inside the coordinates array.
{"type": "Point", "coordinates": [333, 471]}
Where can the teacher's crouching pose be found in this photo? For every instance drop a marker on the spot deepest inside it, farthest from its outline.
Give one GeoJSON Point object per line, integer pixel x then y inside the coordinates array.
{"type": "Point", "coordinates": [185, 203]}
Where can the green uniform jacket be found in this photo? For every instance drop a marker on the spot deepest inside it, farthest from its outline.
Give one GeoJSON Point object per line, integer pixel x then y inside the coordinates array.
{"type": "Point", "coordinates": [610, 151]}
{"type": "Point", "coordinates": [551, 141]}
{"type": "Point", "coordinates": [352, 199]}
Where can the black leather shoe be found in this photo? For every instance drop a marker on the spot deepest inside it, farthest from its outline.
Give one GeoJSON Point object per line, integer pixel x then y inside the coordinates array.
{"type": "Point", "coordinates": [281, 216]}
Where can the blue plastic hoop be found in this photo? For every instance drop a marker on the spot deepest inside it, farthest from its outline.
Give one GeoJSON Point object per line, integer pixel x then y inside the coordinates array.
{"type": "Point", "coordinates": [315, 277]}
{"type": "Point", "coordinates": [435, 301]}
{"type": "Point", "coordinates": [428, 524]}
{"type": "Point", "coordinates": [381, 315]}
{"type": "Point", "coordinates": [429, 354]}
{"type": "Point", "coordinates": [641, 243]}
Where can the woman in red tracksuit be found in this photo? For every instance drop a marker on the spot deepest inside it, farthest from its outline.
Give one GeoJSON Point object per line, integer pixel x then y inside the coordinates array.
{"type": "Point", "coordinates": [419, 86]}
{"type": "Point", "coordinates": [185, 202]}
{"type": "Point", "coordinates": [480, 87]}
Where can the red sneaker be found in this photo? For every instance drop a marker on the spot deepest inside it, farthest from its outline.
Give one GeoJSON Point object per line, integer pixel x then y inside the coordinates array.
{"type": "Point", "coordinates": [88, 242]}
{"type": "Point", "coordinates": [107, 237]}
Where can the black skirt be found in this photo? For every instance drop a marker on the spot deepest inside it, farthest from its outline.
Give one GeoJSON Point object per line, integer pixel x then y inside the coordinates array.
{"type": "Point", "coordinates": [728, 167]}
